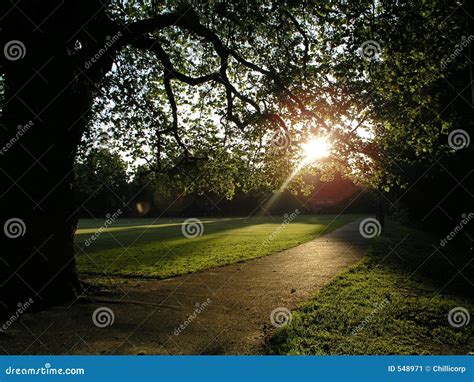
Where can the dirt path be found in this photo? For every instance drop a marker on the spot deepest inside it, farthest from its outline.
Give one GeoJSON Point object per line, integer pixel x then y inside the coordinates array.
{"type": "Point", "coordinates": [217, 311]}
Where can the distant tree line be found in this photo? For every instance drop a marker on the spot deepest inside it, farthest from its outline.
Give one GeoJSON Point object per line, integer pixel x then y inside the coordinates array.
{"type": "Point", "coordinates": [103, 186]}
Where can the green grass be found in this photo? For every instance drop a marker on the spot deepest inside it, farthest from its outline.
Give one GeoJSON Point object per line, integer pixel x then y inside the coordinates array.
{"type": "Point", "coordinates": [144, 248]}
{"type": "Point", "coordinates": [394, 302]}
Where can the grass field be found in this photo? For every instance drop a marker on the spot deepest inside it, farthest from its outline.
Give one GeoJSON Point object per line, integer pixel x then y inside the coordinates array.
{"type": "Point", "coordinates": [397, 301]}
{"type": "Point", "coordinates": [148, 248]}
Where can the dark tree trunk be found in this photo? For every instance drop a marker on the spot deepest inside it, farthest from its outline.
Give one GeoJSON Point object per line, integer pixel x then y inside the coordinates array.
{"type": "Point", "coordinates": [381, 211]}
{"type": "Point", "coordinates": [45, 111]}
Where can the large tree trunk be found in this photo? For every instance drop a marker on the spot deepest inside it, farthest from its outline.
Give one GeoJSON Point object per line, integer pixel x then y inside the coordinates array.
{"type": "Point", "coordinates": [45, 113]}
{"type": "Point", "coordinates": [381, 211]}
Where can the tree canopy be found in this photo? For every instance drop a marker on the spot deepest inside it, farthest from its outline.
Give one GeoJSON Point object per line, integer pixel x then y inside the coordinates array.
{"type": "Point", "coordinates": [220, 95]}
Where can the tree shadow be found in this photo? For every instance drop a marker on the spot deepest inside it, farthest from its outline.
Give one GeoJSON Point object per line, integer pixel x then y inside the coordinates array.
{"type": "Point", "coordinates": [420, 257]}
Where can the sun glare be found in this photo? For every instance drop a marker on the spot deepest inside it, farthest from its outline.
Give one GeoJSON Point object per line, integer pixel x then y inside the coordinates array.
{"type": "Point", "coordinates": [315, 149]}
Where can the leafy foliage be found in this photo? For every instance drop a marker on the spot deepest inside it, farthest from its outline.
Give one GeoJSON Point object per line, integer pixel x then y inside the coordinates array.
{"type": "Point", "coordinates": [201, 103]}
{"type": "Point", "coordinates": [101, 181]}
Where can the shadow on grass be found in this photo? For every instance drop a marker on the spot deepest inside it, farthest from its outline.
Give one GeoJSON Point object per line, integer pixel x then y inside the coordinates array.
{"type": "Point", "coordinates": [399, 300]}
{"type": "Point", "coordinates": [419, 256]}
{"type": "Point", "coordinates": [162, 251]}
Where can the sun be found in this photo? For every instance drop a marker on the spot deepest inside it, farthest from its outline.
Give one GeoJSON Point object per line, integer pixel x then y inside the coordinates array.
{"type": "Point", "coordinates": [316, 148]}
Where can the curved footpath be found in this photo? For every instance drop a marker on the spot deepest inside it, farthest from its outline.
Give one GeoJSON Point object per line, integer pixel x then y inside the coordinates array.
{"type": "Point", "coordinates": [225, 310]}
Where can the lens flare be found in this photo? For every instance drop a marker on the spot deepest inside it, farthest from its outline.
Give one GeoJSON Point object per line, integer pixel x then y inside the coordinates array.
{"type": "Point", "coordinates": [315, 149]}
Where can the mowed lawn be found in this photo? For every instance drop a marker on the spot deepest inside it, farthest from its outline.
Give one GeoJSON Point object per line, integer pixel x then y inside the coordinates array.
{"type": "Point", "coordinates": [396, 301]}
{"type": "Point", "coordinates": [158, 248]}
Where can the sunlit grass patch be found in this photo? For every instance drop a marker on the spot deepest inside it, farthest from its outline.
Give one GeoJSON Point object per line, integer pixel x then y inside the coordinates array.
{"type": "Point", "coordinates": [394, 302]}
{"type": "Point", "coordinates": [147, 248]}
